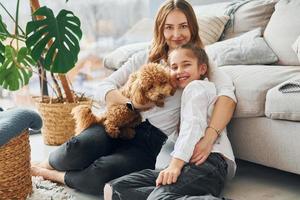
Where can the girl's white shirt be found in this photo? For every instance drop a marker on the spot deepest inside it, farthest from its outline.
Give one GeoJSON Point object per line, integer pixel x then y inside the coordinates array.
{"type": "Point", "coordinates": [197, 104]}
{"type": "Point", "coordinates": [165, 118]}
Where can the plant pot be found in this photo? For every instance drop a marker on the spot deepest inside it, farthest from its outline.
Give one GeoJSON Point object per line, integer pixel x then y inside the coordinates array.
{"type": "Point", "coordinates": [58, 122]}
{"type": "Point", "coordinates": [15, 177]}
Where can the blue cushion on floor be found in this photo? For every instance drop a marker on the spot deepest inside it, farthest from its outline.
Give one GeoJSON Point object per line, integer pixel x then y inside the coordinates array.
{"type": "Point", "coordinates": [14, 121]}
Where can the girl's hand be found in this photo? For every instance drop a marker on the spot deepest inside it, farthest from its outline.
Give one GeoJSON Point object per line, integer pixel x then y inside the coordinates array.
{"type": "Point", "coordinates": [168, 176]}
{"type": "Point", "coordinates": [203, 149]}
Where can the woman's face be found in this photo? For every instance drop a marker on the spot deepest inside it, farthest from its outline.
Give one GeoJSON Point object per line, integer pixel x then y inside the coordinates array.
{"type": "Point", "coordinates": [176, 29]}
{"type": "Point", "coordinates": [184, 67]}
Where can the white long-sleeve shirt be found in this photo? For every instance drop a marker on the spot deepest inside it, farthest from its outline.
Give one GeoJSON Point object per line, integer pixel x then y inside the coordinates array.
{"type": "Point", "coordinates": [165, 118]}
{"type": "Point", "coordinates": [197, 104]}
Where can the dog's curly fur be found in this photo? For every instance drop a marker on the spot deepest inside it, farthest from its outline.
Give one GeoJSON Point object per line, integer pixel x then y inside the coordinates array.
{"type": "Point", "coordinates": [150, 84]}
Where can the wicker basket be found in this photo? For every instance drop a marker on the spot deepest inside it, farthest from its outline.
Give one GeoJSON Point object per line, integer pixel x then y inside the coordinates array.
{"type": "Point", "coordinates": [15, 177]}
{"type": "Point", "coordinates": [58, 123]}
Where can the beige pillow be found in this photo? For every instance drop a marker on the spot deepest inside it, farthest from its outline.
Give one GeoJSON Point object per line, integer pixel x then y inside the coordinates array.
{"type": "Point", "coordinates": [211, 28]}
{"type": "Point", "coordinates": [296, 47]}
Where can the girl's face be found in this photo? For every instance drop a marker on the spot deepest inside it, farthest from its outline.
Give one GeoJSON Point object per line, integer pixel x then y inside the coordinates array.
{"type": "Point", "coordinates": [184, 67]}
{"type": "Point", "coordinates": [176, 29]}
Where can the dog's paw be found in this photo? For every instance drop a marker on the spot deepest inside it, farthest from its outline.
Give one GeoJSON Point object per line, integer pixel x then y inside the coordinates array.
{"type": "Point", "coordinates": [81, 111]}
{"type": "Point", "coordinates": [112, 131]}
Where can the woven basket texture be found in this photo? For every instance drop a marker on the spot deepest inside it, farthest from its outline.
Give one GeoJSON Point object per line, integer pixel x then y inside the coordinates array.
{"type": "Point", "coordinates": [15, 177]}
{"type": "Point", "coordinates": [58, 123]}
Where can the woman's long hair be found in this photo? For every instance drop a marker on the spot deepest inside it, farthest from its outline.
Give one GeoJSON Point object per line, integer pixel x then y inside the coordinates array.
{"type": "Point", "coordinates": [159, 48]}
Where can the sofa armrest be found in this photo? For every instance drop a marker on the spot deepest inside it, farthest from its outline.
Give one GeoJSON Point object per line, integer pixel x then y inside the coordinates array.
{"type": "Point", "coordinates": [281, 105]}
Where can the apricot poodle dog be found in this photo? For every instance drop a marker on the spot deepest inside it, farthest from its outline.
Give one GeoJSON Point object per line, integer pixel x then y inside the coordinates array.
{"type": "Point", "coordinates": [151, 84]}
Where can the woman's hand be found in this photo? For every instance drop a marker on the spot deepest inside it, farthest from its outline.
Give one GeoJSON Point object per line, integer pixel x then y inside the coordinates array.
{"type": "Point", "coordinates": [170, 174]}
{"type": "Point", "coordinates": [203, 147]}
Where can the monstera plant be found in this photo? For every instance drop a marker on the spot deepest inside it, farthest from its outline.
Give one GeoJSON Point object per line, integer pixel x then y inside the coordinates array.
{"type": "Point", "coordinates": [50, 43]}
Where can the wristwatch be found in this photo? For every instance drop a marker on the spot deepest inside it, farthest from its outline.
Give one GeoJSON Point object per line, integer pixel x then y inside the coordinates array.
{"type": "Point", "coordinates": [130, 106]}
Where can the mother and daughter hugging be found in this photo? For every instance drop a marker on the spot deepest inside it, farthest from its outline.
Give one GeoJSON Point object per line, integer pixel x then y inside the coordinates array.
{"type": "Point", "coordinates": [202, 106]}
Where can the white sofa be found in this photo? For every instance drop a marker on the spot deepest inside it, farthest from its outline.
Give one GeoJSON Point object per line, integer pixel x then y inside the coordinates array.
{"type": "Point", "coordinates": [266, 123]}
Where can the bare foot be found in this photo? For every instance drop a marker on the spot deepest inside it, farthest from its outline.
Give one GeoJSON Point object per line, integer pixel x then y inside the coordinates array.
{"type": "Point", "coordinates": [44, 164]}
{"type": "Point", "coordinates": [107, 192]}
{"type": "Point", "coordinates": [48, 174]}
{"type": "Point", "coordinates": [34, 163]}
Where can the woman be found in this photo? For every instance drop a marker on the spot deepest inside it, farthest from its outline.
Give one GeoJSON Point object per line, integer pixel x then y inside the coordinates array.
{"type": "Point", "coordinates": [91, 159]}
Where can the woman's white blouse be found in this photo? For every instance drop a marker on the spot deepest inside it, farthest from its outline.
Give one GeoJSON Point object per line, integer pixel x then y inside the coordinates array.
{"type": "Point", "coordinates": [165, 118]}
{"type": "Point", "coordinates": [197, 103]}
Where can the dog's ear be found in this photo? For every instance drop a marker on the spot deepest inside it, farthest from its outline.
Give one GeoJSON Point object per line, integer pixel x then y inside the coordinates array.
{"type": "Point", "coordinates": [147, 76]}
{"type": "Point", "coordinates": [130, 85]}
{"type": "Point", "coordinates": [140, 98]}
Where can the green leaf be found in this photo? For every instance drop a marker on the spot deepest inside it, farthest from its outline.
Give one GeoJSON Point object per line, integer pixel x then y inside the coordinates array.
{"type": "Point", "coordinates": [64, 30]}
{"type": "Point", "coordinates": [15, 71]}
{"type": "Point", "coordinates": [3, 30]}
{"type": "Point", "coordinates": [2, 51]}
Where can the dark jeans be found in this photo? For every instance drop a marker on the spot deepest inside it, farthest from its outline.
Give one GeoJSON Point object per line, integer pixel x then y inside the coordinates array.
{"type": "Point", "coordinates": [204, 182]}
{"type": "Point", "coordinates": [92, 158]}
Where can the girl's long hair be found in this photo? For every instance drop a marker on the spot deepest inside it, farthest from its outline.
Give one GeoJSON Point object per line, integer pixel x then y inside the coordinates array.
{"type": "Point", "coordinates": [159, 48]}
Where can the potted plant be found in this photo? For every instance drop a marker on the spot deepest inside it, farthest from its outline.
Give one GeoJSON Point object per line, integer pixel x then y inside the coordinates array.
{"type": "Point", "coordinates": [50, 44]}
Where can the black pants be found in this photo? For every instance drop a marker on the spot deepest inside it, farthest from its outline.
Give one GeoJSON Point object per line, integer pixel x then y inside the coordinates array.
{"type": "Point", "coordinates": [203, 182]}
{"type": "Point", "coordinates": [93, 158]}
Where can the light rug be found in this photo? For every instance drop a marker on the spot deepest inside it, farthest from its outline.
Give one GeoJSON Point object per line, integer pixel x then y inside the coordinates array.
{"type": "Point", "coordinates": [46, 190]}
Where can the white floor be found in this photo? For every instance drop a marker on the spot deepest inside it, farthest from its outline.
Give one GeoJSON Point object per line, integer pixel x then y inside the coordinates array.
{"type": "Point", "coordinates": [252, 182]}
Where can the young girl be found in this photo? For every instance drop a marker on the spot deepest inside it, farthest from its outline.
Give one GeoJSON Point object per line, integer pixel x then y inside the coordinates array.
{"type": "Point", "coordinates": [182, 178]}
{"type": "Point", "coordinates": [89, 160]}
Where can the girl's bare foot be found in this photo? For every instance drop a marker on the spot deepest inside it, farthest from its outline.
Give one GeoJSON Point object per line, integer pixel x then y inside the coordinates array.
{"type": "Point", "coordinates": [48, 174]}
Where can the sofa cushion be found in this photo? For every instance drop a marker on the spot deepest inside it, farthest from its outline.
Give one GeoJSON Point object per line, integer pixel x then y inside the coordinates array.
{"type": "Point", "coordinates": [252, 83]}
{"type": "Point", "coordinates": [249, 48]}
{"type": "Point", "coordinates": [118, 57]}
{"type": "Point", "coordinates": [211, 28]}
{"type": "Point", "coordinates": [211, 9]}
{"type": "Point", "coordinates": [283, 29]}
{"type": "Point", "coordinates": [247, 15]}
{"type": "Point", "coordinates": [283, 105]}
